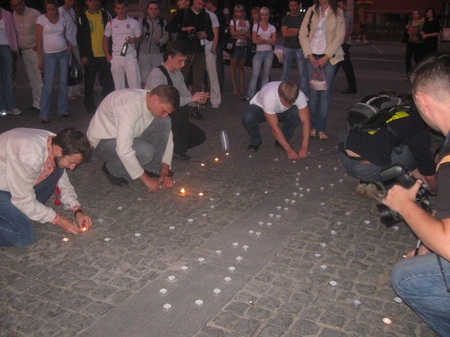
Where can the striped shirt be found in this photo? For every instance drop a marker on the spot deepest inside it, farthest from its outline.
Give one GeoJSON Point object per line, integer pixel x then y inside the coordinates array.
{"type": "Point", "coordinates": [292, 22]}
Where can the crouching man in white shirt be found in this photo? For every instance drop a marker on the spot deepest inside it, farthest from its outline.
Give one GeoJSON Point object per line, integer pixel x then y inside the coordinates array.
{"type": "Point", "coordinates": [32, 164]}
{"type": "Point", "coordinates": [131, 134]}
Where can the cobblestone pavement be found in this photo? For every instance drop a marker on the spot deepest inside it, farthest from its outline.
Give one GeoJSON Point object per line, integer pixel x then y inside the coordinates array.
{"type": "Point", "coordinates": [310, 256]}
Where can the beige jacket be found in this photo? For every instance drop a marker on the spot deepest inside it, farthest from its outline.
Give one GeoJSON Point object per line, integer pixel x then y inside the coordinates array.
{"type": "Point", "coordinates": [335, 33]}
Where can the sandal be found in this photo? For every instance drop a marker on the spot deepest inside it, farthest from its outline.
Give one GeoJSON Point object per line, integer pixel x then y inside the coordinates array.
{"type": "Point", "coordinates": [322, 136]}
{"type": "Point", "coordinates": [313, 133]}
{"type": "Point", "coordinates": [236, 92]}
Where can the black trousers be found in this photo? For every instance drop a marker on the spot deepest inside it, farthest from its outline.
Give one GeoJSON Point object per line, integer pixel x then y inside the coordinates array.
{"type": "Point", "coordinates": [185, 134]}
{"type": "Point", "coordinates": [413, 49]}
{"type": "Point", "coordinates": [100, 65]}
{"type": "Point", "coordinates": [348, 68]}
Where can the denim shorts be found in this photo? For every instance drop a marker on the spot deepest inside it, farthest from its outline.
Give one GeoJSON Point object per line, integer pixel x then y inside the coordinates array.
{"type": "Point", "coordinates": [240, 52]}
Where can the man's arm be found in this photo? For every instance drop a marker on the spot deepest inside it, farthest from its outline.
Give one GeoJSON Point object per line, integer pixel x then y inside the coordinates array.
{"type": "Point", "coordinates": [215, 40]}
{"type": "Point", "coordinates": [435, 234]}
{"type": "Point", "coordinates": [175, 25]}
{"type": "Point", "coordinates": [138, 37]}
{"type": "Point", "coordinates": [288, 32]}
{"type": "Point", "coordinates": [272, 120]}
{"type": "Point", "coordinates": [106, 48]}
{"type": "Point", "coordinates": [165, 35]}
{"type": "Point", "coordinates": [306, 129]}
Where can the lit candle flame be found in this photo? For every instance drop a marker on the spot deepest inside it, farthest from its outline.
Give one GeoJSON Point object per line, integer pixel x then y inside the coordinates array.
{"type": "Point", "coordinates": [83, 229]}
{"type": "Point", "coordinates": [216, 159]}
{"type": "Point", "coordinates": [201, 194]}
{"type": "Point", "coordinates": [202, 164]}
{"type": "Point", "coordinates": [65, 239]}
{"type": "Point", "coordinates": [182, 191]}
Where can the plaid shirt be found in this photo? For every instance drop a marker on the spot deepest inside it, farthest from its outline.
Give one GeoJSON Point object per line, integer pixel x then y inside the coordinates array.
{"type": "Point", "coordinates": [26, 27]}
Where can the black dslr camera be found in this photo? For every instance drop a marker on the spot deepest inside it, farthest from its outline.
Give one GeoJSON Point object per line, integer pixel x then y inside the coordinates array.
{"type": "Point", "coordinates": [398, 173]}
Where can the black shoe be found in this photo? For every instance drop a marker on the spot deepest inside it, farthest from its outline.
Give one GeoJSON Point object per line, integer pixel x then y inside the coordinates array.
{"type": "Point", "coordinates": [246, 99]}
{"type": "Point", "coordinates": [349, 91]}
{"type": "Point", "coordinates": [181, 156]}
{"type": "Point", "coordinates": [118, 181]}
{"type": "Point", "coordinates": [195, 113]}
{"type": "Point", "coordinates": [34, 110]}
{"type": "Point", "coordinates": [45, 120]}
{"type": "Point", "coordinates": [155, 175]}
{"type": "Point", "coordinates": [255, 148]}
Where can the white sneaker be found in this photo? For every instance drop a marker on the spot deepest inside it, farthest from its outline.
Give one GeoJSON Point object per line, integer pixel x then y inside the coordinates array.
{"type": "Point", "coordinates": [16, 111]}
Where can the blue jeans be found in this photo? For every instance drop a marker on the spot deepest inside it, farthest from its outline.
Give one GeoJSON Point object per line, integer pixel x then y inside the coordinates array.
{"type": "Point", "coordinates": [253, 115]}
{"type": "Point", "coordinates": [288, 57]}
{"type": "Point", "coordinates": [149, 148]}
{"type": "Point", "coordinates": [319, 101]}
{"type": "Point", "coordinates": [7, 101]}
{"type": "Point", "coordinates": [370, 172]}
{"type": "Point", "coordinates": [52, 62]}
{"type": "Point", "coordinates": [418, 281]}
{"type": "Point", "coordinates": [15, 227]}
{"type": "Point", "coordinates": [260, 59]}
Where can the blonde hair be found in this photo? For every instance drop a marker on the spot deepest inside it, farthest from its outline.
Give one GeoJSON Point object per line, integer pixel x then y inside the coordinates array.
{"type": "Point", "coordinates": [288, 90]}
{"type": "Point", "coordinates": [264, 9]}
{"type": "Point", "coordinates": [238, 7]}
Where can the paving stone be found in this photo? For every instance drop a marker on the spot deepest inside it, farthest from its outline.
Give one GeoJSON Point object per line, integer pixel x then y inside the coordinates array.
{"type": "Point", "coordinates": [304, 328]}
{"type": "Point", "coordinates": [271, 331]}
{"type": "Point", "coordinates": [258, 313]}
{"type": "Point", "coordinates": [225, 319]}
{"type": "Point", "coordinates": [97, 309]}
{"type": "Point", "coordinates": [245, 327]}
{"type": "Point", "coordinates": [237, 308]}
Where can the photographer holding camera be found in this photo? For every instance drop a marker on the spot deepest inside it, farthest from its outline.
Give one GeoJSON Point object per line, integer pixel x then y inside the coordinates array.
{"type": "Point", "coordinates": [422, 281]}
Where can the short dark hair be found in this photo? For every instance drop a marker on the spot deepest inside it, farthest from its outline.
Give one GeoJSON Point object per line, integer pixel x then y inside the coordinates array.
{"type": "Point", "coordinates": [51, 2]}
{"type": "Point", "coordinates": [215, 3]}
{"type": "Point", "coordinates": [72, 141]}
{"type": "Point", "coordinates": [167, 94]}
{"type": "Point", "coordinates": [152, 3]}
{"type": "Point", "coordinates": [432, 11]}
{"type": "Point", "coordinates": [343, 1]}
{"type": "Point", "coordinates": [178, 48]}
{"type": "Point", "coordinates": [432, 76]}
{"type": "Point", "coordinates": [120, 2]}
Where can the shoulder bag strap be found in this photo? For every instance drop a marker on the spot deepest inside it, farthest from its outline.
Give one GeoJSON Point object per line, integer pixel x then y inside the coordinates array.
{"type": "Point", "coordinates": [166, 73]}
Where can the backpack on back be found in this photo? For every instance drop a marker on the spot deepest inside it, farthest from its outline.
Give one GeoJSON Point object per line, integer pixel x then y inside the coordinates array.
{"type": "Point", "coordinates": [374, 112]}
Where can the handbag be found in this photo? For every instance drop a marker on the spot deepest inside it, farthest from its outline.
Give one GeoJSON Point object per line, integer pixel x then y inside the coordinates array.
{"type": "Point", "coordinates": [317, 81]}
{"type": "Point", "coordinates": [75, 74]}
{"type": "Point", "coordinates": [229, 43]}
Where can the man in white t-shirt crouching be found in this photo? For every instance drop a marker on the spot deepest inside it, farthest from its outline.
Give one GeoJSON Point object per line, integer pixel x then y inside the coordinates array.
{"type": "Point", "coordinates": [279, 102]}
